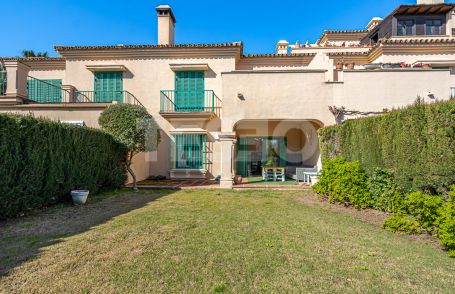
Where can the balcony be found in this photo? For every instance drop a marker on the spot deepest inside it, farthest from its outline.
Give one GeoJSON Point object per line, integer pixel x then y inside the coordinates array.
{"type": "Point", "coordinates": [52, 92]}
{"type": "Point", "coordinates": [105, 97]}
{"type": "Point", "coordinates": [202, 104]}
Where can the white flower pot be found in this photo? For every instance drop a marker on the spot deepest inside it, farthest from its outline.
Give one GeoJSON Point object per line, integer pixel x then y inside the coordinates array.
{"type": "Point", "coordinates": [314, 180]}
{"type": "Point", "coordinates": [79, 196]}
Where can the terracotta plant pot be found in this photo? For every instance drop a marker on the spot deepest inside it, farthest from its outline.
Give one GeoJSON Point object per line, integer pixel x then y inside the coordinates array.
{"type": "Point", "coordinates": [238, 180]}
{"type": "Point", "coordinates": [339, 66]}
{"type": "Point", "coordinates": [350, 65]}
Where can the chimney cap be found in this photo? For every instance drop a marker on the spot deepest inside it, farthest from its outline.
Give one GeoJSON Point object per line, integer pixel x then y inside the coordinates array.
{"type": "Point", "coordinates": [374, 22]}
{"type": "Point", "coordinates": [165, 7]}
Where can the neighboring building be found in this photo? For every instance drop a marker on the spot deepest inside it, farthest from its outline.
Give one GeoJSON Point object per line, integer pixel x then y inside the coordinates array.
{"type": "Point", "coordinates": [223, 112]}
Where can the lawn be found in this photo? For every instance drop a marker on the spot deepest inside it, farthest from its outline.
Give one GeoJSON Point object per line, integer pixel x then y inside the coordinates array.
{"type": "Point", "coordinates": [204, 241]}
{"type": "Point", "coordinates": [260, 181]}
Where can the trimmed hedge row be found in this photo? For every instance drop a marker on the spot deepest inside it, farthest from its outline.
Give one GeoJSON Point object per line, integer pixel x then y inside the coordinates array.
{"type": "Point", "coordinates": [415, 213]}
{"type": "Point", "coordinates": [42, 161]}
{"type": "Point", "coordinates": [417, 143]}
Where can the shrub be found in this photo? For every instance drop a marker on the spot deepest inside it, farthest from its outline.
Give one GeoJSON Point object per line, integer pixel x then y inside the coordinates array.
{"type": "Point", "coordinates": [132, 126]}
{"type": "Point", "coordinates": [384, 191]}
{"type": "Point", "coordinates": [402, 224]}
{"type": "Point", "coordinates": [42, 161]}
{"type": "Point", "coordinates": [446, 231]}
{"type": "Point", "coordinates": [417, 142]}
{"type": "Point", "coordinates": [425, 208]}
{"type": "Point", "coordinates": [344, 182]}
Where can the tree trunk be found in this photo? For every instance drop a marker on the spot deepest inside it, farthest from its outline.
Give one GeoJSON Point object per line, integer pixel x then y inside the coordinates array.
{"type": "Point", "coordinates": [130, 170]}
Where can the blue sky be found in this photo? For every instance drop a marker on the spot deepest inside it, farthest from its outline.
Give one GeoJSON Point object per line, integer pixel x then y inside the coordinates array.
{"type": "Point", "coordinates": [39, 25]}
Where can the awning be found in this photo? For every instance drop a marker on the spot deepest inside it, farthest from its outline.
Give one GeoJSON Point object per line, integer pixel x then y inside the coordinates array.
{"type": "Point", "coordinates": [190, 67]}
{"type": "Point", "coordinates": [105, 68]}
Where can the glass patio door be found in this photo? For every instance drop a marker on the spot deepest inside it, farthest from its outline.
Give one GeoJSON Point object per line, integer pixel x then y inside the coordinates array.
{"type": "Point", "coordinates": [274, 153]}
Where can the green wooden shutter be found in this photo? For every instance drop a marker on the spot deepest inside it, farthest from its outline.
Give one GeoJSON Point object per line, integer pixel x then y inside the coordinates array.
{"type": "Point", "coordinates": [2, 80]}
{"type": "Point", "coordinates": [189, 91]}
{"type": "Point", "coordinates": [190, 151]}
{"type": "Point", "coordinates": [242, 157]}
{"type": "Point", "coordinates": [45, 91]}
{"type": "Point", "coordinates": [283, 152]}
{"type": "Point", "coordinates": [108, 87]}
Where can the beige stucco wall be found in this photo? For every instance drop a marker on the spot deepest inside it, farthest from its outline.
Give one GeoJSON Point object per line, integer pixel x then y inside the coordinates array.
{"type": "Point", "coordinates": [48, 74]}
{"type": "Point", "coordinates": [327, 50]}
{"type": "Point", "coordinates": [298, 95]}
{"type": "Point", "coordinates": [145, 78]}
{"type": "Point", "coordinates": [411, 58]}
{"type": "Point", "coordinates": [376, 90]}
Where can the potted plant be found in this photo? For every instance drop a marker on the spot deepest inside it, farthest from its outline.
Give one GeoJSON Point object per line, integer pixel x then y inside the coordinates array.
{"type": "Point", "coordinates": [79, 196]}
{"type": "Point", "coordinates": [314, 180]}
{"type": "Point", "coordinates": [339, 64]}
{"type": "Point", "coordinates": [272, 157]}
{"type": "Point", "coordinates": [350, 65]}
{"type": "Point", "coordinates": [426, 66]}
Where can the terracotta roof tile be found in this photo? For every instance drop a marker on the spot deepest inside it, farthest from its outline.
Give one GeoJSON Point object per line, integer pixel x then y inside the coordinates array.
{"type": "Point", "coordinates": [139, 47]}
{"type": "Point", "coordinates": [432, 40]}
{"type": "Point", "coordinates": [33, 59]}
{"type": "Point", "coordinates": [278, 55]}
{"type": "Point", "coordinates": [348, 53]}
{"type": "Point", "coordinates": [344, 31]}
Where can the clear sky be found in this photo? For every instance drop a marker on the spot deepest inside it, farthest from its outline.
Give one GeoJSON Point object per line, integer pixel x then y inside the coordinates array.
{"type": "Point", "coordinates": [39, 25]}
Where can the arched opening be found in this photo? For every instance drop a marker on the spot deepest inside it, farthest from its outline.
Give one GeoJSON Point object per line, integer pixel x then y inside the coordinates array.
{"type": "Point", "coordinates": [284, 144]}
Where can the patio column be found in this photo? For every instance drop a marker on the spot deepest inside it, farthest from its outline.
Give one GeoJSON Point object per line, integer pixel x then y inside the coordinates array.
{"type": "Point", "coordinates": [227, 141]}
{"type": "Point", "coordinates": [16, 85]}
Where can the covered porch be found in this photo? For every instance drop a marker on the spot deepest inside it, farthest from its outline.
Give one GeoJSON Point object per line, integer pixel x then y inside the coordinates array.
{"type": "Point", "coordinates": [270, 151]}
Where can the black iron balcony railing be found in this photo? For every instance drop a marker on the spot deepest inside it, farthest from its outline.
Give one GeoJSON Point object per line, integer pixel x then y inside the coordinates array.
{"type": "Point", "coordinates": [105, 97]}
{"type": "Point", "coordinates": [172, 101]}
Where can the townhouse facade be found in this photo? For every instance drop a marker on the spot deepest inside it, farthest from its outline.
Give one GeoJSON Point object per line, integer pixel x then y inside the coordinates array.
{"type": "Point", "coordinates": [225, 113]}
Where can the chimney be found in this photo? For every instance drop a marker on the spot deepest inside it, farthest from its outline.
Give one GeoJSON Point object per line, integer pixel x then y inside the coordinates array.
{"type": "Point", "coordinates": [374, 23]}
{"type": "Point", "coordinates": [282, 47]}
{"type": "Point", "coordinates": [429, 2]}
{"type": "Point", "coordinates": [166, 23]}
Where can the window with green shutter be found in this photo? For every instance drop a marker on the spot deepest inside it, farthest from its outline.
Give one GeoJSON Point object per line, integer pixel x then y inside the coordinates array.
{"type": "Point", "coordinates": [2, 80]}
{"type": "Point", "coordinates": [45, 91]}
{"type": "Point", "coordinates": [189, 91]}
{"type": "Point", "coordinates": [108, 87]}
{"type": "Point", "coordinates": [190, 151]}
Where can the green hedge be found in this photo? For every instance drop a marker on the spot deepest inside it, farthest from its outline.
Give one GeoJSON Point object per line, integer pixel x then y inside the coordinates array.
{"type": "Point", "coordinates": [416, 143]}
{"type": "Point", "coordinates": [42, 161]}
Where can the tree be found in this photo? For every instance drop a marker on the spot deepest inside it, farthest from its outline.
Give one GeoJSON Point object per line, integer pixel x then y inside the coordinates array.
{"type": "Point", "coordinates": [132, 126]}
{"type": "Point", "coordinates": [31, 53]}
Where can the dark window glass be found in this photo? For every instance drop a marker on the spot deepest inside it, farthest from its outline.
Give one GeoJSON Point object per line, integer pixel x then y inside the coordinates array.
{"type": "Point", "coordinates": [433, 27]}
{"type": "Point", "coordinates": [405, 27]}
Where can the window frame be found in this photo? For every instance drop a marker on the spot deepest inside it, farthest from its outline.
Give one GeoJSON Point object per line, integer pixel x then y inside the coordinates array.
{"type": "Point", "coordinates": [412, 27]}
{"type": "Point", "coordinates": [433, 26]}
{"type": "Point", "coordinates": [193, 147]}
